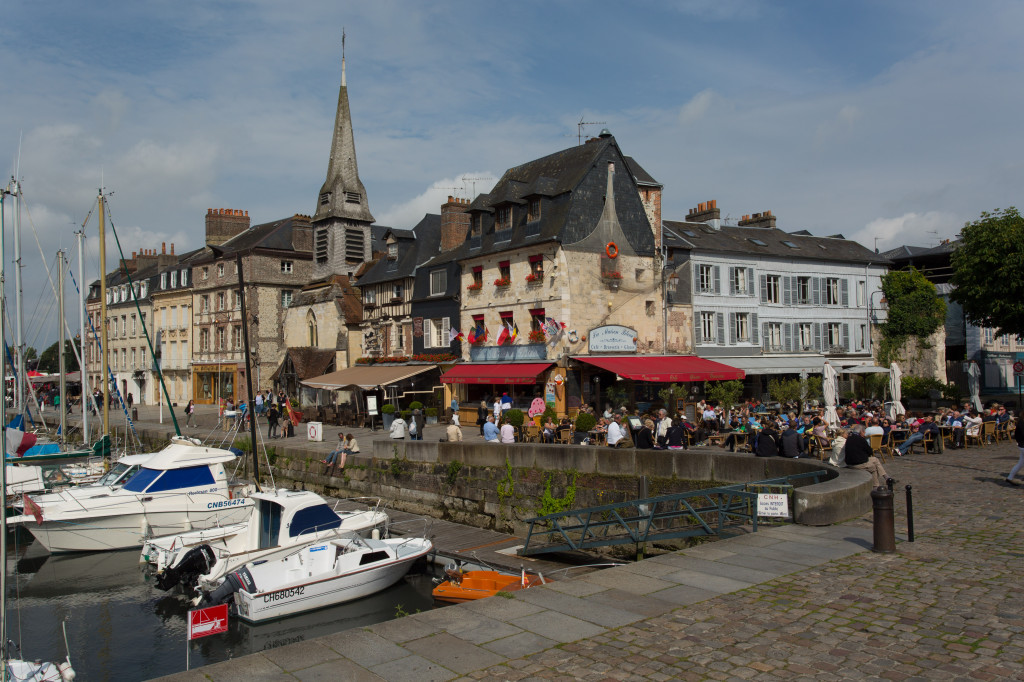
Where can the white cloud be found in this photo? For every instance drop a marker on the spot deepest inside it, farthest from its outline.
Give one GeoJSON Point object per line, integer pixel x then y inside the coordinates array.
{"type": "Point", "coordinates": [915, 229]}
{"type": "Point", "coordinates": [406, 214]}
{"type": "Point", "coordinates": [697, 107]}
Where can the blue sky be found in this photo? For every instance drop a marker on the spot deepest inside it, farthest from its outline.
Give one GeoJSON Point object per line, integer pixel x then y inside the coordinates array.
{"type": "Point", "coordinates": [895, 121]}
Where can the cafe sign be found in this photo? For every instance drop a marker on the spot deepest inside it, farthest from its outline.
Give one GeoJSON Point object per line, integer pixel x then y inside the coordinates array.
{"type": "Point", "coordinates": [612, 338]}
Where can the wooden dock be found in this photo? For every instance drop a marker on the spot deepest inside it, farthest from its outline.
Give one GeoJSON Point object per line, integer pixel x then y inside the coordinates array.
{"type": "Point", "coordinates": [476, 545]}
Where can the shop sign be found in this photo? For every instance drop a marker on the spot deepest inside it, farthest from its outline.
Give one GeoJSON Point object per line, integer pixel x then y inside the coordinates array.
{"type": "Point", "coordinates": [611, 339]}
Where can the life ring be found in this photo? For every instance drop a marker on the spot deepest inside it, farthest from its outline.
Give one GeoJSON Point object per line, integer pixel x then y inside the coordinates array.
{"type": "Point", "coordinates": [612, 250]}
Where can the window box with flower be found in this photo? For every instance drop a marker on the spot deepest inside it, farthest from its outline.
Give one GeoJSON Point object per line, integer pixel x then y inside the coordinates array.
{"type": "Point", "coordinates": [535, 278]}
{"type": "Point", "coordinates": [475, 286]}
{"type": "Point", "coordinates": [613, 274]}
{"type": "Point", "coordinates": [502, 282]}
{"type": "Point", "coordinates": [537, 336]}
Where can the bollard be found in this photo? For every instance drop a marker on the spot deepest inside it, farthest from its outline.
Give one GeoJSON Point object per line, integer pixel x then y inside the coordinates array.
{"type": "Point", "coordinates": [135, 414]}
{"type": "Point", "coordinates": [910, 515]}
{"type": "Point", "coordinates": [884, 521]}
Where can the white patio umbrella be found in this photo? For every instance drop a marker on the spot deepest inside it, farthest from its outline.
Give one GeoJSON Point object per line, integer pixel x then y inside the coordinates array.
{"type": "Point", "coordinates": [896, 408]}
{"type": "Point", "coordinates": [829, 386]}
{"type": "Point", "coordinates": [974, 384]}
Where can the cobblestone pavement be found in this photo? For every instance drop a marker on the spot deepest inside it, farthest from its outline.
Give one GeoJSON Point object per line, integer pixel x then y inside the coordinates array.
{"type": "Point", "coordinates": [783, 604]}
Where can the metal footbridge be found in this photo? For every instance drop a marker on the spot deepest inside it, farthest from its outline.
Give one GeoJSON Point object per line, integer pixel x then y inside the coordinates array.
{"type": "Point", "coordinates": [690, 514]}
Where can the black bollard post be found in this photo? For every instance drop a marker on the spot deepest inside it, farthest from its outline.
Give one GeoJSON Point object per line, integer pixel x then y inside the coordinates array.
{"type": "Point", "coordinates": [884, 520]}
{"type": "Point", "coordinates": [910, 515]}
{"type": "Point", "coordinates": [641, 493]}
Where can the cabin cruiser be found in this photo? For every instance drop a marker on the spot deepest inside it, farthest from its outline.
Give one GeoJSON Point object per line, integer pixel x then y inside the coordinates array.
{"type": "Point", "coordinates": [119, 474]}
{"type": "Point", "coordinates": [181, 488]}
{"type": "Point", "coordinates": [279, 520]}
{"type": "Point", "coordinates": [317, 575]}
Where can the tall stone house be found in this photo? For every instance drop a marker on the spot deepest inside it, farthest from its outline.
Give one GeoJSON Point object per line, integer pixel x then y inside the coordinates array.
{"type": "Point", "coordinates": [171, 297]}
{"type": "Point", "coordinates": [276, 262]}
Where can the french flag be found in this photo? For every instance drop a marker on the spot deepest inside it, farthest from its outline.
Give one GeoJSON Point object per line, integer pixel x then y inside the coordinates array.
{"type": "Point", "coordinates": [18, 442]}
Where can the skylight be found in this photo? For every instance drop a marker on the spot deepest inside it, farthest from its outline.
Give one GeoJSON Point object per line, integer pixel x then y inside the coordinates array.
{"type": "Point", "coordinates": [757, 241]}
{"type": "Point", "coordinates": [791, 245]}
{"type": "Point", "coordinates": [689, 233]}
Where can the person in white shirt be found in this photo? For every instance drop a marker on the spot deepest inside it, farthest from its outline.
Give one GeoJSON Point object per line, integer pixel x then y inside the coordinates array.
{"type": "Point", "coordinates": [508, 433]}
{"type": "Point", "coordinates": [398, 428]}
{"type": "Point", "coordinates": [454, 432]}
{"type": "Point", "coordinates": [661, 432]}
{"type": "Point", "coordinates": [614, 432]}
{"type": "Point", "coordinates": [497, 409]}
{"type": "Point", "coordinates": [874, 429]}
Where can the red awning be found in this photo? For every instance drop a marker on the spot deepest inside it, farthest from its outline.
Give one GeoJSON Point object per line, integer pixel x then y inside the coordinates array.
{"type": "Point", "coordinates": [524, 373]}
{"type": "Point", "coordinates": [665, 368]}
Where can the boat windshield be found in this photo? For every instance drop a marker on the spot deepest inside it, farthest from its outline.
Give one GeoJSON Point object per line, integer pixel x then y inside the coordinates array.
{"type": "Point", "coordinates": [313, 519]}
{"type": "Point", "coordinates": [116, 473]}
{"type": "Point", "coordinates": [156, 480]}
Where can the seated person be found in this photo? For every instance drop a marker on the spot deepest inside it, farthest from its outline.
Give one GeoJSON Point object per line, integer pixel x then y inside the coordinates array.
{"type": "Point", "coordinates": [874, 429]}
{"type": "Point", "coordinates": [615, 432]}
{"type": "Point", "coordinates": [838, 456]}
{"type": "Point", "coordinates": [507, 432]}
{"type": "Point", "coordinates": [491, 434]}
{"type": "Point", "coordinates": [645, 436]}
{"type": "Point", "coordinates": [791, 444]}
{"type": "Point", "coordinates": [767, 442]}
{"type": "Point", "coordinates": [548, 435]}
{"type": "Point", "coordinates": [676, 436]}
{"type": "Point", "coordinates": [860, 456]}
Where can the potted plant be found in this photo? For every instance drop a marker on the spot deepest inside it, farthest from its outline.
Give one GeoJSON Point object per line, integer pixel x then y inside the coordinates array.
{"type": "Point", "coordinates": [537, 336]}
{"type": "Point", "coordinates": [584, 423]}
{"type": "Point", "coordinates": [431, 415]}
{"type": "Point", "coordinates": [406, 415]}
{"type": "Point", "coordinates": [388, 415]}
{"type": "Point", "coordinates": [534, 278]}
{"type": "Point", "coordinates": [502, 282]}
{"type": "Point", "coordinates": [613, 279]}
{"type": "Point", "coordinates": [475, 286]}
{"type": "Point", "coordinates": [514, 417]}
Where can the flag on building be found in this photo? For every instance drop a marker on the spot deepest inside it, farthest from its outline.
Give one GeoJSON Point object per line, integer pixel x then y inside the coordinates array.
{"type": "Point", "coordinates": [504, 335]}
{"type": "Point", "coordinates": [472, 335]}
{"type": "Point", "coordinates": [455, 335]}
{"type": "Point", "coordinates": [515, 332]}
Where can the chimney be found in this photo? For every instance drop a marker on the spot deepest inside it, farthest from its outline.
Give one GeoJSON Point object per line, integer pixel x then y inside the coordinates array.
{"type": "Point", "coordinates": [765, 219]}
{"type": "Point", "coordinates": [705, 212]}
{"type": "Point", "coordinates": [165, 259]}
{"type": "Point", "coordinates": [224, 223]}
{"type": "Point", "coordinates": [454, 223]}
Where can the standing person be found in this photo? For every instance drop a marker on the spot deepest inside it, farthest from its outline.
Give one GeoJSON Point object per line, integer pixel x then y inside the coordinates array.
{"type": "Point", "coordinates": [131, 400]}
{"type": "Point", "coordinates": [272, 415]}
{"type": "Point", "coordinates": [664, 424]}
{"type": "Point", "coordinates": [497, 408]}
{"type": "Point", "coordinates": [398, 427]}
{"type": "Point", "coordinates": [1018, 435]}
{"type": "Point", "coordinates": [455, 410]}
{"type": "Point", "coordinates": [418, 422]}
{"type": "Point", "coordinates": [860, 456]}
{"type": "Point", "coordinates": [190, 410]}
{"type": "Point", "coordinates": [259, 403]}
{"type": "Point", "coordinates": [481, 416]}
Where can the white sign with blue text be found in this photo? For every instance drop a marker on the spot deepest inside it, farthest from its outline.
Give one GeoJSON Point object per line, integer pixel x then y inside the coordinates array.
{"type": "Point", "coordinates": [612, 338]}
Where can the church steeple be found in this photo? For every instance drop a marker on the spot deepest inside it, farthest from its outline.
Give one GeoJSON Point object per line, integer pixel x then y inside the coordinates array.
{"type": "Point", "coordinates": [343, 195]}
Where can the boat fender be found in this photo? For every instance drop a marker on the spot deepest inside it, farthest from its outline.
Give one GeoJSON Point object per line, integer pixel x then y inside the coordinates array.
{"type": "Point", "coordinates": [375, 534]}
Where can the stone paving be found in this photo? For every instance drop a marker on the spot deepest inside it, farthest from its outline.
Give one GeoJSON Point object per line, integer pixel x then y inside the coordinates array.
{"type": "Point", "coordinates": [785, 603]}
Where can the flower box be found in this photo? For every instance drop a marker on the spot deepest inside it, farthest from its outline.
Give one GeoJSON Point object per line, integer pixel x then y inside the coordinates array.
{"type": "Point", "coordinates": [534, 278]}
{"type": "Point", "coordinates": [615, 274]}
{"type": "Point", "coordinates": [537, 336]}
{"type": "Point", "coordinates": [502, 282]}
{"type": "Point", "coordinates": [475, 286]}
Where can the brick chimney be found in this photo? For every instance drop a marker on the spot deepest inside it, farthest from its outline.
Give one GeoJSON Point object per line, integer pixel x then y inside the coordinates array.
{"type": "Point", "coordinates": [302, 233]}
{"type": "Point", "coordinates": [705, 212]}
{"type": "Point", "coordinates": [454, 223]}
{"type": "Point", "coordinates": [765, 219]}
{"type": "Point", "coordinates": [224, 223]}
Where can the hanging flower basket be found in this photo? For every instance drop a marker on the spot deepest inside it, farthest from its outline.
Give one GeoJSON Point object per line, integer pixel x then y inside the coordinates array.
{"type": "Point", "coordinates": [502, 282]}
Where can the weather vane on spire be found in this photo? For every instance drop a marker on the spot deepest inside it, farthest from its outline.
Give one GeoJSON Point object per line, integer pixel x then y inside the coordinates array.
{"type": "Point", "coordinates": [342, 56]}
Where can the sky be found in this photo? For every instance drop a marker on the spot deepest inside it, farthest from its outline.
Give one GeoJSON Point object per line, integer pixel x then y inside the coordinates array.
{"type": "Point", "coordinates": [888, 122]}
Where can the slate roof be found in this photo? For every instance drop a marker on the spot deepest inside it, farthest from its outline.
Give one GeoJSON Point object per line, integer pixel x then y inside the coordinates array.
{"type": "Point", "coordinates": [275, 235]}
{"type": "Point", "coordinates": [415, 246]}
{"type": "Point", "coordinates": [906, 252]}
{"type": "Point", "coordinates": [641, 176]}
{"type": "Point", "coordinates": [308, 362]}
{"type": "Point", "coordinates": [736, 241]}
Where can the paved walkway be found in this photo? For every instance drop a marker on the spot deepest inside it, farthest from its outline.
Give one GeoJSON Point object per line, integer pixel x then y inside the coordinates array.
{"type": "Point", "coordinates": [785, 603]}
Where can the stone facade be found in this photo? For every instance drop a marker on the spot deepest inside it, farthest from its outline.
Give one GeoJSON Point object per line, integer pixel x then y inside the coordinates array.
{"type": "Point", "coordinates": [172, 320]}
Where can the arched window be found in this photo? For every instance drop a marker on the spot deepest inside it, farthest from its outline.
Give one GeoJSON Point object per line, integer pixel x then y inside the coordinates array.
{"type": "Point", "coordinates": [311, 325]}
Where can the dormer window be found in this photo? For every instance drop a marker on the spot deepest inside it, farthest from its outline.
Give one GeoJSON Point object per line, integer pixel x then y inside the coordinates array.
{"type": "Point", "coordinates": [174, 279]}
{"type": "Point", "coordinates": [502, 218]}
{"type": "Point", "coordinates": [533, 213]}
{"type": "Point", "coordinates": [475, 226]}
{"type": "Point", "coordinates": [392, 251]}
{"type": "Point", "coordinates": [163, 280]}
{"type": "Point", "coordinates": [184, 278]}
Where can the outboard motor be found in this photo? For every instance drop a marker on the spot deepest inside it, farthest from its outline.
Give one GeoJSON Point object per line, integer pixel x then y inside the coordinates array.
{"type": "Point", "coordinates": [196, 562]}
{"type": "Point", "coordinates": [236, 581]}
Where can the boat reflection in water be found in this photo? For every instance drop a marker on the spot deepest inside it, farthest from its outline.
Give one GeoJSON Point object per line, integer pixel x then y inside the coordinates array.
{"type": "Point", "coordinates": [122, 627]}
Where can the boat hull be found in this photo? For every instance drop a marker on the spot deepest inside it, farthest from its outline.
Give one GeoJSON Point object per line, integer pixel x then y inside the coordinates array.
{"type": "Point", "coordinates": [301, 597]}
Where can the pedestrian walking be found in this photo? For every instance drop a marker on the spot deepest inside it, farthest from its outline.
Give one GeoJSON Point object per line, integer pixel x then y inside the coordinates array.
{"type": "Point", "coordinates": [272, 415]}
{"type": "Point", "coordinates": [1018, 435]}
{"type": "Point", "coordinates": [190, 411]}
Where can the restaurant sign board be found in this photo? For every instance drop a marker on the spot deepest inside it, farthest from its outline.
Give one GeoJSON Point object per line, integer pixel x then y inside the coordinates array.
{"type": "Point", "coordinates": [612, 338]}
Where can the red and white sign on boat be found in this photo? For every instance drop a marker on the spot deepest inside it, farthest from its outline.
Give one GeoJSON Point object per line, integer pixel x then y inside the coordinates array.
{"type": "Point", "coordinates": [209, 621]}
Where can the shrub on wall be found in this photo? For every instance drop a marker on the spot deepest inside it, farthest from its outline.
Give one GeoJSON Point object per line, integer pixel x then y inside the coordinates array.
{"type": "Point", "coordinates": [514, 417]}
{"type": "Point", "coordinates": [585, 421]}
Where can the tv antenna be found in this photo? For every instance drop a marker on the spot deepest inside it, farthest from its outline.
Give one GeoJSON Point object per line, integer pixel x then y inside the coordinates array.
{"type": "Point", "coordinates": [473, 180]}
{"type": "Point", "coordinates": [579, 128]}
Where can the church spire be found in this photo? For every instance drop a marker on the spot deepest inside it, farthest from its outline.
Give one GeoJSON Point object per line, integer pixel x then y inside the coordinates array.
{"type": "Point", "coordinates": [342, 194]}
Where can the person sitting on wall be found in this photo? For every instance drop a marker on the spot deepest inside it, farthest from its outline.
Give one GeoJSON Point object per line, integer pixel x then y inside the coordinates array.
{"type": "Point", "coordinates": [398, 428]}
{"type": "Point", "coordinates": [491, 434]}
{"type": "Point", "coordinates": [508, 432]}
{"type": "Point", "coordinates": [676, 438]}
{"type": "Point", "coordinates": [790, 443]}
{"type": "Point", "coordinates": [767, 442]}
{"type": "Point", "coordinates": [860, 456]}
{"type": "Point", "coordinates": [645, 436]}
{"type": "Point", "coordinates": [615, 433]}
{"type": "Point", "coordinates": [454, 431]}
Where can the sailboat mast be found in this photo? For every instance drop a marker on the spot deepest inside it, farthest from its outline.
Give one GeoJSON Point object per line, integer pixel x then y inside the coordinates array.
{"type": "Point", "coordinates": [248, 374]}
{"type": "Point", "coordinates": [81, 333]}
{"type": "Point", "coordinates": [19, 355]}
{"type": "Point", "coordinates": [104, 369]}
{"type": "Point", "coordinates": [3, 449]}
{"type": "Point", "coordinates": [60, 349]}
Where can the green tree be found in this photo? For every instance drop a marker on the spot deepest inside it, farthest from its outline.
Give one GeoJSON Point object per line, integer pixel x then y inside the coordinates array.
{"type": "Point", "coordinates": [31, 353]}
{"type": "Point", "coordinates": [915, 310]}
{"type": "Point", "coordinates": [724, 393]}
{"type": "Point", "coordinates": [987, 267]}
{"type": "Point", "coordinates": [50, 363]}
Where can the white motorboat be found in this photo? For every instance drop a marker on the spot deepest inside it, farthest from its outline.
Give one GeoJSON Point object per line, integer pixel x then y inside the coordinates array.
{"type": "Point", "coordinates": [181, 488]}
{"type": "Point", "coordinates": [318, 575]}
{"type": "Point", "coordinates": [119, 474]}
{"type": "Point", "coordinates": [278, 521]}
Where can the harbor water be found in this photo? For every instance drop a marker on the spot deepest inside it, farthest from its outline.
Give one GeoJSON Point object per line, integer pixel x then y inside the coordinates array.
{"type": "Point", "coordinates": [121, 626]}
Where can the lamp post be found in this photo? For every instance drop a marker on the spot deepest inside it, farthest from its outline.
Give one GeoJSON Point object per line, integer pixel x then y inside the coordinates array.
{"type": "Point", "coordinates": [881, 302]}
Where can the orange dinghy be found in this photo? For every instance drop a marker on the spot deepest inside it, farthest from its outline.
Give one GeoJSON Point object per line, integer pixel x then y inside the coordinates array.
{"type": "Point", "coordinates": [467, 586]}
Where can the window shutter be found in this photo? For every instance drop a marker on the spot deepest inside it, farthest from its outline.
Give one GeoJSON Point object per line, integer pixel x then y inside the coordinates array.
{"type": "Point", "coordinates": [750, 281]}
{"type": "Point", "coordinates": [446, 332]}
{"type": "Point", "coordinates": [752, 329]}
{"type": "Point", "coordinates": [732, 280]}
{"type": "Point", "coordinates": [816, 291]}
{"type": "Point", "coordinates": [787, 337]}
{"type": "Point", "coordinates": [696, 279]}
{"type": "Point", "coordinates": [428, 333]}
{"type": "Point", "coordinates": [844, 293]}
{"type": "Point", "coordinates": [764, 288]}
{"type": "Point", "coordinates": [718, 282]}
{"type": "Point", "coordinates": [765, 337]}
{"type": "Point", "coordinates": [732, 329]}
{"type": "Point", "coordinates": [796, 289]}
{"type": "Point", "coordinates": [846, 335]}
{"type": "Point", "coordinates": [720, 320]}
{"type": "Point", "coordinates": [817, 336]}
{"type": "Point", "coordinates": [698, 327]}
{"type": "Point", "coordinates": [787, 294]}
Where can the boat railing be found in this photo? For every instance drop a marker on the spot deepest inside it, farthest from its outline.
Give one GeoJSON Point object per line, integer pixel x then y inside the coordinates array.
{"type": "Point", "coordinates": [378, 503]}
{"type": "Point", "coordinates": [422, 522]}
